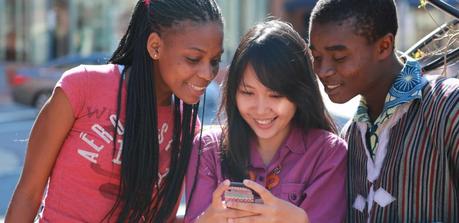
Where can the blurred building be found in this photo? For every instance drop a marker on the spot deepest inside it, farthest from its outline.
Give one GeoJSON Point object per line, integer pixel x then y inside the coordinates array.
{"type": "Point", "coordinates": [36, 31]}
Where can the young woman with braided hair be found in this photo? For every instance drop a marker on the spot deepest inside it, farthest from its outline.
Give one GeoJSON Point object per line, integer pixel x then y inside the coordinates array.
{"type": "Point", "coordinates": [113, 142]}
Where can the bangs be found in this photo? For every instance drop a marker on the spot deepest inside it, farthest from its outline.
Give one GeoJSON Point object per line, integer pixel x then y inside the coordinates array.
{"type": "Point", "coordinates": [274, 66]}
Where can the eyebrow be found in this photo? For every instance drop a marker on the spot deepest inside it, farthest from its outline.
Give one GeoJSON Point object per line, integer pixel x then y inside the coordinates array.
{"type": "Point", "coordinates": [203, 51]}
{"type": "Point", "coordinates": [331, 48]}
{"type": "Point", "coordinates": [197, 49]}
{"type": "Point", "coordinates": [244, 85]}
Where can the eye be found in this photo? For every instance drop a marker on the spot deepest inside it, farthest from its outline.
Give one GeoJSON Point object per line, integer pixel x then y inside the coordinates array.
{"type": "Point", "coordinates": [245, 92]}
{"type": "Point", "coordinates": [339, 59]}
{"type": "Point", "coordinates": [317, 59]}
{"type": "Point", "coordinates": [215, 62]}
{"type": "Point", "coordinates": [192, 60]}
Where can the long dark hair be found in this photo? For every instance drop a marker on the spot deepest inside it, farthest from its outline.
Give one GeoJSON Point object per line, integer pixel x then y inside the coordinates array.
{"type": "Point", "coordinates": [282, 63]}
{"type": "Point", "coordinates": [140, 151]}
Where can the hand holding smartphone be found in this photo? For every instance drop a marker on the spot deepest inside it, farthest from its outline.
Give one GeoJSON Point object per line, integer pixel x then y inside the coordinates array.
{"type": "Point", "coordinates": [238, 192]}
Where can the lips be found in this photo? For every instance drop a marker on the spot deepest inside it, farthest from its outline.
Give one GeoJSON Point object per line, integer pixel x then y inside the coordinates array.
{"type": "Point", "coordinates": [197, 87]}
{"type": "Point", "coordinates": [264, 121]}
{"type": "Point", "coordinates": [332, 86]}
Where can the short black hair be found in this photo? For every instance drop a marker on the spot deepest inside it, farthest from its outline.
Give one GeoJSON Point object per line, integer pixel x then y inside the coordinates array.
{"type": "Point", "coordinates": [372, 18]}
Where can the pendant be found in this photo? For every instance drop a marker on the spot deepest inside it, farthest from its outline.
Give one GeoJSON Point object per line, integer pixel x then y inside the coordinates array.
{"type": "Point", "coordinates": [272, 180]}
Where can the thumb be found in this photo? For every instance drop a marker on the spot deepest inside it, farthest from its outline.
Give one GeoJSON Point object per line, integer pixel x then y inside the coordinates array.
{"type": "Point", "coordinates": [218, 193]}
{"type": "Point", "coordinates": [264, 193]}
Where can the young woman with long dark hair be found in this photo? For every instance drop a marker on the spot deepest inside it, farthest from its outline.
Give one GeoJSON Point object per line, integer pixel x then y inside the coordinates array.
{"type": "Point", "coordinates": [113, 142]}
{"type": "Point", "coordinates": [277, 139]}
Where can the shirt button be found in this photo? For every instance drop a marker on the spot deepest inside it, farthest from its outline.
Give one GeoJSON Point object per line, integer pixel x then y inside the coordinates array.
{"type": "Point", "coordinates": [293, 196]}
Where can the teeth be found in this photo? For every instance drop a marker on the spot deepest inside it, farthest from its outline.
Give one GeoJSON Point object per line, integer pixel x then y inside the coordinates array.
{"type": "Point", "coordinates": [331, 87]}
{"type": "Point", "coordinates": [264, 121]}
{"type": "Point", "coordinates": [197, 88]}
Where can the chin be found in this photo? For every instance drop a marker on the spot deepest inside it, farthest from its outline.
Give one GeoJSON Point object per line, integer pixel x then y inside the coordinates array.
{"type": "Point", "coordinates": [339, 100]}
{"type": "Point", "coordinates": [190, 100]}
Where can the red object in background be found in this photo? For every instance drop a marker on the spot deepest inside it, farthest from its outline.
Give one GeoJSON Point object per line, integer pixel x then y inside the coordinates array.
{"type": "Point", "coordinates": [13, 78]}
{"type": "Point", "coordinates": [17, 79]}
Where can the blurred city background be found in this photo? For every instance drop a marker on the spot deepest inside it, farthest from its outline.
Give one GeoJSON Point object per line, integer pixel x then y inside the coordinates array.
{"type": "Point", "coordinates": [39, 39]}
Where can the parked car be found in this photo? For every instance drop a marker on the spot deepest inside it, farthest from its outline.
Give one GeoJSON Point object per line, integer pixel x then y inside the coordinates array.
{"type": "Point", "coordinates": [32, 85]}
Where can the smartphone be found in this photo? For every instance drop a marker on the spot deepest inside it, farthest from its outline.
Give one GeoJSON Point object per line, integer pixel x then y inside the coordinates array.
{"type": "Point", "coordinates": [238, 192]}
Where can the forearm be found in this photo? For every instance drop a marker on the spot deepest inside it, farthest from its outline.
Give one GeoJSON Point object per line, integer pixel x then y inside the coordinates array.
{"type": "Point", "coordinates": [23, 208]}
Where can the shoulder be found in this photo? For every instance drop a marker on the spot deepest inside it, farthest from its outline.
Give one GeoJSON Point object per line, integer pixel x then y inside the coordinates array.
{"type": "Point", "coordinates": [324, 139]}
{"type": "Point", "coordinates": [77, 74]}
{"type": "Point", "coordinates": [325, 148]}
{"type": "Point", "coordinates": [105, 70]}
{"type": "Point", "coordinates": [210, 138]}
{"type": "Point", "coordinates": [440, 96]}
{"type": "Point", "coordinates": [439, 87]}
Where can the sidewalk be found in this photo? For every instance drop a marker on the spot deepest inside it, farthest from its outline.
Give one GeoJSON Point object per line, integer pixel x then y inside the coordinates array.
{"type": "Point", "coordinates": [4, 87]}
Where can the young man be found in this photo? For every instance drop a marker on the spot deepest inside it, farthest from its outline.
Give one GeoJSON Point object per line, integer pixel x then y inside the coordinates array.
{"type": "Point", "coordinates": [404, 139]}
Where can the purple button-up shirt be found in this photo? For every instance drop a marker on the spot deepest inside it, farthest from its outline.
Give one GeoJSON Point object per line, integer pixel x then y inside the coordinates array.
{"type": "Point", "coordinates": [312, 175]}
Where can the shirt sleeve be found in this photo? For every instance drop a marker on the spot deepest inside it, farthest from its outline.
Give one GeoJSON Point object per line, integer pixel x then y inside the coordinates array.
{"type": "Point", "coordinates": [451, 133]}
{"type": "Point", "coordinates": [197, 128]}
{"type": "Point", "coordinates": [207, 177]}
{"type": "Point", "coordinates": [325, 199]}
{"type": "Point", "coordinates": [73, 84]}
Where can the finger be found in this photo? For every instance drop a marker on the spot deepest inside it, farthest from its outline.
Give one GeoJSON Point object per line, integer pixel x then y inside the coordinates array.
{"type": "Point", "coordinates": [249, 219]}
{"type": "Point", "coordinates": [233, 213]}
{"type": "Point", "coordinates": [217, 194]}
{"type": "Point", "coordinates": [249, 207]}
{"type": "Point", "coordinates": [265, 194]}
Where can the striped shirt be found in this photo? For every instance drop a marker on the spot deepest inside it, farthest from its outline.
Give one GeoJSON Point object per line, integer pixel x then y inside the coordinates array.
{"type": "Point", "coordinates": [414, 176]}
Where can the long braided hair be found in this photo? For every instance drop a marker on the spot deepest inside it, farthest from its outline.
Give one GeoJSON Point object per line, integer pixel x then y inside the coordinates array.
{"type": "Point", "coordinates": [137, 199]}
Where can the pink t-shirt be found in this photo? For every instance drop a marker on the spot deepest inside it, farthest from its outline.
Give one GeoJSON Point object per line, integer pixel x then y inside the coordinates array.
{"type": "Point", "coordinates": [85, 179]}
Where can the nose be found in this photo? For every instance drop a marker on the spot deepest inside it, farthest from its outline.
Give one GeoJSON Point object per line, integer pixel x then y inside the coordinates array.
{"type": "Point", "coordinates": [207, 72]}
{"type": "Point", "coordinates": [261, 105]}
{"type": "Point", "coordinates": [325, 70]}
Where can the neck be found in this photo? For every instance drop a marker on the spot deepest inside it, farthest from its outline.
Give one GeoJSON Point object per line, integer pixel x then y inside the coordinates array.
{"type": "Point", "coordinates": [164, 99]}
{"type": "Point", "coordinates": [268, 147]}
{"type": "Point", "coordinates": [376, 95]}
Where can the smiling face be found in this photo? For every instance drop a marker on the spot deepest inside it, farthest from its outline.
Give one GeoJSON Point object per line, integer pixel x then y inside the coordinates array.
{"type": "Point", "coordinates": [345, 62]}
{"type": "Point", "coordinates": [267, 113]}
{"type": "Point", "coordinates": [188, 59]}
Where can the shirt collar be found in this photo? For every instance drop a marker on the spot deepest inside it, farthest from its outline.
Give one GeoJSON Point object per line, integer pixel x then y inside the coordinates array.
{"type": "Point", "coordinates": [294, 143]}
{"type": "Point", "coordinates": [407, 87]}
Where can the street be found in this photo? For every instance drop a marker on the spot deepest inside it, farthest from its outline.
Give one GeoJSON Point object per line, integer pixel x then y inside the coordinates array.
{"type": "Point", "coordinates": [15, 123]}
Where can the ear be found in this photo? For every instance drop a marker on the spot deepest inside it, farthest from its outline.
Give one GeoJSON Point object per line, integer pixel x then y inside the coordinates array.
{"type": "Point", "coordinates": [385, 46]}
{"type": "Point", "coordinates": [154, 45]}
